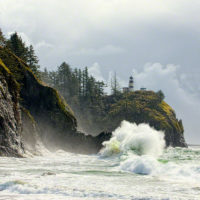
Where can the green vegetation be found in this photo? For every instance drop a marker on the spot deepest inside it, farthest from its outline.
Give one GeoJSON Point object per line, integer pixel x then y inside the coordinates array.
{"type": "Point", "coordinates": [115, 87]}
{"type": "Point", "coordinates": [13, 85]}
{"type": "Point", "coordinates": [2, 39]}
{"type": "Point", "coordinates": [17, 46]}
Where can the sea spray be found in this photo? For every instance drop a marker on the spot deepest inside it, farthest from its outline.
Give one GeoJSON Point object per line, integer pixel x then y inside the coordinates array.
{"type": "Point", "coordinates": [138, 147]}
{"type": "Point", "coordinates": [141, 139]}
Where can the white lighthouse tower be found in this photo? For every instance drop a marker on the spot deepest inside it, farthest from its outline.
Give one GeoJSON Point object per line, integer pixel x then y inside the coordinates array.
{"type": "Point", "coordinates": [131, 84]}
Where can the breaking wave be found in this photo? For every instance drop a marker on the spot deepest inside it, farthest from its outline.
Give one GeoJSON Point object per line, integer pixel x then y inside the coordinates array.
{"type": "Point", "coordinates": [140, 139]}
{"type": "Point", "coordinates": [138, 146]}
{"type": "Point", "coordinates": [140, 149]}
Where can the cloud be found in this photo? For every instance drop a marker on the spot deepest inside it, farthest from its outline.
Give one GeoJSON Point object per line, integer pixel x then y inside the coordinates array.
{"type": "Point", "coordinates": [102, 51]}
{"type": "Point", "coordinates": [43, 44]}
{"type": "Point", "coordinates": [95, 71]}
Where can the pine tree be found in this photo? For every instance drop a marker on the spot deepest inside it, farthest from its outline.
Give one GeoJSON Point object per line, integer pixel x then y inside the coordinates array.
{"type": "Point", "coordinates": [45, 76]}
{"type": "Point", "coordinates": [160, 95]}
{"type": "Point", "coordinates": [80, 83]}
{"type": "Point", "coordinates": [32, 60]}
{"type": "Point", "coordinates": [65, 79]}
{"type": "Point", "coordinates": [115, 88]}
{"type": "Point", "coordinates": [53, 77]}
{"type": "Point", "coordinates": [87, 83]}
{"type": "Point", "coordinates": [17, 46]}
{"type": "Point", "coordinates": [2, 39]}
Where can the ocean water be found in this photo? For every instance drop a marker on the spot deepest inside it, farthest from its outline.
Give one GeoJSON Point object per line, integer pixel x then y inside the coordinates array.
{"type": "Point", "coordinates": [133, 165]}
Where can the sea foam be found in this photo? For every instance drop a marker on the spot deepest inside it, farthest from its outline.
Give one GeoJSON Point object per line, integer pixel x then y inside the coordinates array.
{"type": "Point", "coordinates": [138, 147]}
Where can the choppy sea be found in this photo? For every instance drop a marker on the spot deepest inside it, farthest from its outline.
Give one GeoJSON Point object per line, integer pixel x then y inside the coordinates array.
{"type": "Point", "coordinates": [134, 165]}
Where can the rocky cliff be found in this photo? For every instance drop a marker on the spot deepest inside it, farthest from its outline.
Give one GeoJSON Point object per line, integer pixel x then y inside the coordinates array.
{"type": "Point", "coordinates": [10, 115]}
{"type": "Point", "coordinates": [44, 113]}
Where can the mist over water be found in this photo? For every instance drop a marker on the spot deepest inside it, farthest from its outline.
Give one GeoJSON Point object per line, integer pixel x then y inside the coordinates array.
{"type": "Point", "coordinates": [134, 164]}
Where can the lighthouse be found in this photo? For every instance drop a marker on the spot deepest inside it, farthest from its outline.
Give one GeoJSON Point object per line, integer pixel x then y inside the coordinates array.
{"type": "Point", "coordinates": [130, 87]}
{"type": "Point", "coordinates": [131, 84]}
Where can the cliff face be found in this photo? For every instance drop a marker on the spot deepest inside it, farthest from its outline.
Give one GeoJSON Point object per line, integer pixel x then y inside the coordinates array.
{"type": "Point", "coordinates": [52, 115]}
{"type": "Point", "coordinates": [164, 118]}
{"type": "Point", "coordinates": [45, 113]}
{"type": "Point", "coordinates": [10, 116]}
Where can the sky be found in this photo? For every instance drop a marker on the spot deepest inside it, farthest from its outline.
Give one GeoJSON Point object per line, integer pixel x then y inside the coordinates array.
{"type": "Point", "coordinates": [156, 41]}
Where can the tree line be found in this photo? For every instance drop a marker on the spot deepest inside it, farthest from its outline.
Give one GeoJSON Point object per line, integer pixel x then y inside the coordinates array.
{"type": "Point", "coordinates": [27, 53]}
{"type": "Point", "coordinates": [75, 85]}
{"type": "Point", "coordinates": [69, 82]}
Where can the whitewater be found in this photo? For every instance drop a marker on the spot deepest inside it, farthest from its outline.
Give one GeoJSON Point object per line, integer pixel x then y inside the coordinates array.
{"type": "Point", "coordinates": [133, 165]}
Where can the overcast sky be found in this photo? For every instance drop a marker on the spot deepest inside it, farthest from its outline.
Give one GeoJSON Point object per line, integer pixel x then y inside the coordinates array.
{"type": "Point", "coordinates": [156, 40]}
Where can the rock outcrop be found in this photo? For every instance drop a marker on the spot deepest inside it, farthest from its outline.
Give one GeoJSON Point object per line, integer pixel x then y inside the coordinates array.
{"type": "Point", "coordinates": [10, 115]}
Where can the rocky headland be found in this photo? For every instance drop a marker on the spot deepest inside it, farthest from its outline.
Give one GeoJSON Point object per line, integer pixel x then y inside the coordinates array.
{"type": "Point", "coordinates": [32, 112]}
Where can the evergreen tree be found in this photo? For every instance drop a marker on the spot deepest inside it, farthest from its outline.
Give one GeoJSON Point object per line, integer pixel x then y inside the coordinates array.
{"type": "Point", "coordinates": [53, 77]}
{"type": "Point", "coordinates": [100, 88]}
{"type": "Point", "coordinates": [80, 83]}
{"type": "Point", "coordinates": [64, 78]}
{"type": "Point", "coordinates": [17, 46]}
{"type": "Point", "coordinates": [27, 54]}
{"type": "Point", "coordinates": [115, 88]}
{"type": "Point", "coordinates": [160, 95]}
{"type": "Point", "coordinates": [32, 60]}
{"type": "Point", "coordinates": [2, 39]}
{"type": "Point", "coordinates": [45, 76]}
{"type": "Point", "coordinates": [74, 89]}
{"type": "Point", "coordinates": [87, 83]}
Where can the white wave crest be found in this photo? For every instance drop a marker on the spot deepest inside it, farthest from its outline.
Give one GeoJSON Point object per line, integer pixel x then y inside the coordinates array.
{"type": "Point", "coordinates": [140, 139]}
{"type": "Point", "coordinates": [144, 165]}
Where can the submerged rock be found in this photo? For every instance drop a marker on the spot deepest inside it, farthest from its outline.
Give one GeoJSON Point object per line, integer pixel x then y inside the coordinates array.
{"type": "Point", "coordinates": [48, 174]}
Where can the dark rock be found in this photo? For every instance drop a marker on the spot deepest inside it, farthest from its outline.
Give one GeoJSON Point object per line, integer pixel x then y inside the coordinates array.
{"type": "Point", "coordinates": [44, 112]}
{"type": "Point", "coordinates": [10, 116]}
